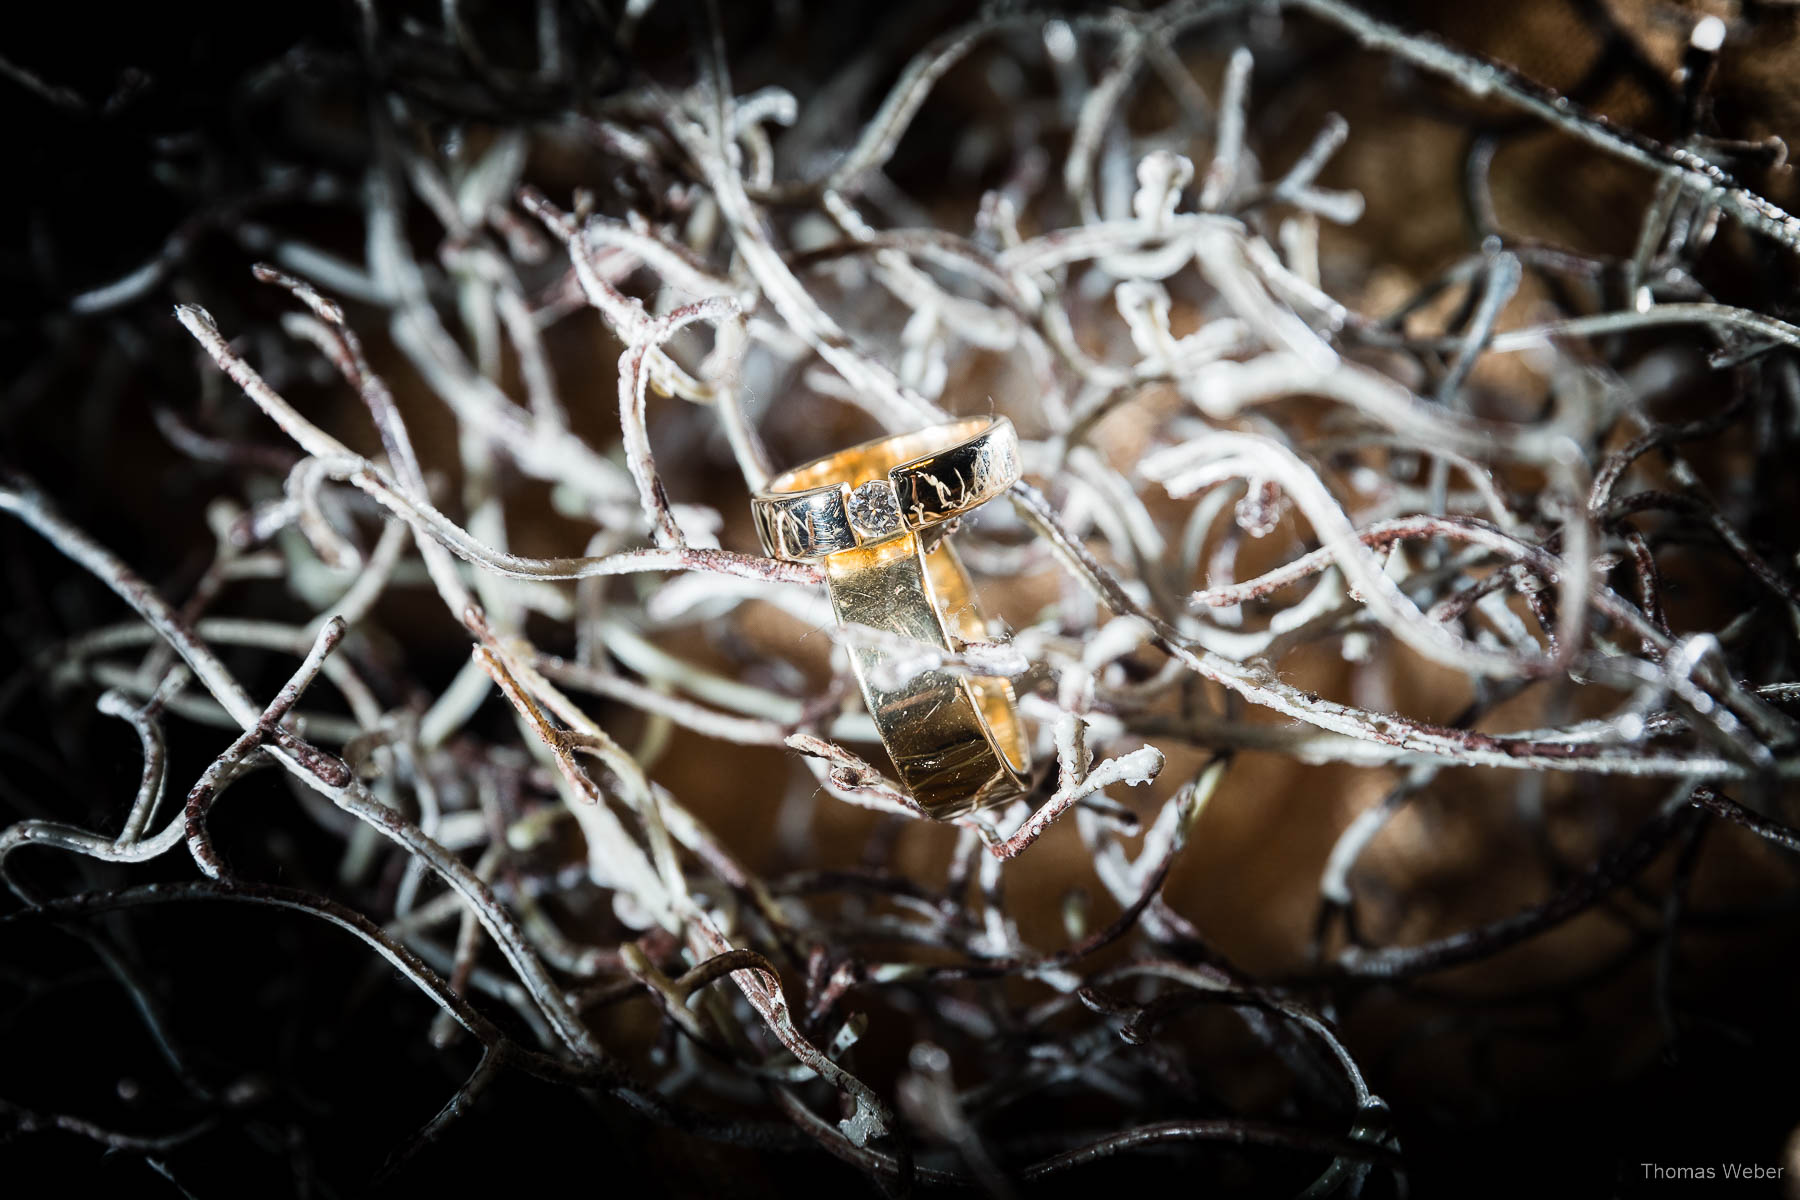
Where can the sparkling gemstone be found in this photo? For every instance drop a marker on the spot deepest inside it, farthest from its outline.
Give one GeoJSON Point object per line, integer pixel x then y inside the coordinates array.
{"type": "Point", "coordinates": [874, 509]}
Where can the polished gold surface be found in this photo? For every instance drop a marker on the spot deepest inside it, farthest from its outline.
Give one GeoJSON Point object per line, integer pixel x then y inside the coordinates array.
{"type": "Point", "coordinates": [881, 489]}
{"type": "Point", "coordinates": [956, 741]}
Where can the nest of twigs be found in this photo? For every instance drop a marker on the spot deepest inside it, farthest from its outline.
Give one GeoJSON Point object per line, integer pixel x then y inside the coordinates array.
{"type": "Point", "coordinates": [1402, 600]}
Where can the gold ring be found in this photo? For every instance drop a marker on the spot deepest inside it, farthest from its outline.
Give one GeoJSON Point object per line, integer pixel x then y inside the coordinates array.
{"type": "Point", "coordinates": [955, 739]}
{"type": "Point", "coordinates": [874, 491]}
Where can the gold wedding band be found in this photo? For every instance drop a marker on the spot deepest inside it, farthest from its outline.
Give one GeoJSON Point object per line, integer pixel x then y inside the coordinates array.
{"type": "Point", "coordinates": [956, 740]}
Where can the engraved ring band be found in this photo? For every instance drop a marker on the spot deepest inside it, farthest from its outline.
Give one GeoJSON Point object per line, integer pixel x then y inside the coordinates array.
{"type": "Point", "coordinates": [956, 740]}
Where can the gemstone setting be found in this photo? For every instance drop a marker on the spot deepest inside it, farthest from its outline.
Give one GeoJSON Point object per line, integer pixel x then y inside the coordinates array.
{"type": "Point", "coordinates": [874, 510]}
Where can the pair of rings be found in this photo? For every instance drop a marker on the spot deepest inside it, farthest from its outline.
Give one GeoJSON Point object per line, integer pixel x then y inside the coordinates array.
{"type": "Point", "coordinates": [869, 514]}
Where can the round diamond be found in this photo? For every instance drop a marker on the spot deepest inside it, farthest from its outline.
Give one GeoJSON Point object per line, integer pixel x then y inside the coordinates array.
{"type": "Point", "coordinates": [874, 509]}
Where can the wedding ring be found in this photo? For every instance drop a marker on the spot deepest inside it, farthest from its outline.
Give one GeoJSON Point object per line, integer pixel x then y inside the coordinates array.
{"type": "Point", "coordinates": [880, 489]}
{"type": "Point", "coordinates": [956, 740]}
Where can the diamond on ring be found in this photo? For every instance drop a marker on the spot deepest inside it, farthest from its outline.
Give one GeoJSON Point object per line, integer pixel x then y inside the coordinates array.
{"type": "Point", "coordinates": [874, 510]}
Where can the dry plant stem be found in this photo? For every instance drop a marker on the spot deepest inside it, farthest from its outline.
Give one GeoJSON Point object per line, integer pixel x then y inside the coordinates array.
{"type": "Point", "coordinates": [855, 781]}
{"type": "Point", "coordinates": [1693, 174]}
{"type": "Point", "coordinates": [1079, 779]}
{"type": "Point", "coordinates": [1261, 458]}
{"type": "Point", "coordinates": [266, 729]}
{"type": "Point", "coordinates": [1256, 684]}
{"type": "Point", "coordinates": [1785, 836]}
{"type": "Point", "coordinates": [317, 770]}
{"type": "Point", "coordinates": [644, 337]}
{"type": "Point", "coordinates": [150, 789]}
{"type": "Point", "coordinates": [1615, 869]}
{"type": "Point", "coordinates": [24, 1120]}
{"type": "Point", "coordinates": [1230, 1132]}
{"type": "Point", "coordinates": [343, 347]}
{"type": "Point", "coordinates": [341, 463]}
{"type": "Point", "coordinates": [872, 1119]}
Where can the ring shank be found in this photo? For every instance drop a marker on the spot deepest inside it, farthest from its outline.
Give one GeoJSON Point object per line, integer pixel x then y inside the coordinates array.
{"type": "Point", "coordinates": [956, 742]}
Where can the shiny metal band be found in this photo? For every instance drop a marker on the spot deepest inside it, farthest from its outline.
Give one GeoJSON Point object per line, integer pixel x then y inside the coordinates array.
{"type": "Point", "coordinates": [956, 741]}
{"type": "Point", "coordinates": [881, 489]}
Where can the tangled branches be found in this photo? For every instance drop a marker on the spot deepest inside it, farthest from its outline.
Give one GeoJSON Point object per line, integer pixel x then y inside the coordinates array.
{"type": "Point", "coordinates": [1237, 476]}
